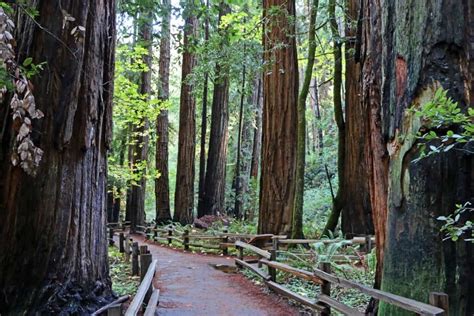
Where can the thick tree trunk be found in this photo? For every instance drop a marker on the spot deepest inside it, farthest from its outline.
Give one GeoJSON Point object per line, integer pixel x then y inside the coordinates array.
{"type": "Point", "coordinates": [162, 189]}
{"type": "Point", "coordinates": [140, 148]}
{"type": "Point", "coordinates": [213, 201]}
{"type": "Point", "coordinates": [426, 45]}
{"type": "Point", "coordinates": [368, 39]}
{"type": "Point", "coordinates": [297, 225]}
{"type": "Point", "coordinates": [202, 153]}
{"type": "Point", "coordinates": [338, 201]}
{"type": "Point", "coordinates": [280, 86]}
{"type": "Point", "coordinates": [53, 241]}
{"type": "Point", "coordinates": [356, 217]}
{"type": "Point", "coordinates": [184, 196]}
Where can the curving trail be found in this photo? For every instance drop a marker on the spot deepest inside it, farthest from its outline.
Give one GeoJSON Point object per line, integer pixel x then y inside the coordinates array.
{"type": "Point", "coordinates": [189, 285]}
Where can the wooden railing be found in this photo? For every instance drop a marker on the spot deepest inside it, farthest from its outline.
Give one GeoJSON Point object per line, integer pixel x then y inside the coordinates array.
{"type": "Point", "coordinates": [266, 255]}
{"type": "Point", "coordinates": [142, 265]}
{"type": "Point", "coordinates": [324, 279]}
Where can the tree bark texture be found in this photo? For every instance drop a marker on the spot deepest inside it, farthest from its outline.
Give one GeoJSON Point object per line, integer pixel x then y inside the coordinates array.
{"type": "Point", "coordinates": [213, 201]}
{"type": "Point", "coordinates": [141, 139]}
{"type": "Point", "coordinates": [53, 240]}
{"type": "Point", "coordinates": [376, 152]}
{"type": "Point", "coordinates": [184, 196]}
{"type": "Point", "coordinates": [202, 153]}
{"type": "Point", "coordinates": [424, 47]}
{"type": "Point", "coordinates": [280, 86]}
{"type": "Point", "coordinates": [162, 189]}
{"type": "Point", "coordinates": [356, 217]}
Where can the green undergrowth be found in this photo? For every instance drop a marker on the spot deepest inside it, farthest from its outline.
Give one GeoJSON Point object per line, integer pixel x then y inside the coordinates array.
{"type": "Point", "coordinates": [123, 282]}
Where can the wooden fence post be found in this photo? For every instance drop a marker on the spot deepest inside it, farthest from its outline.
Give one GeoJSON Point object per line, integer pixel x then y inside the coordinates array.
{"type": "Point", "coordinates": [127, 248]}
{"type": "Point", "coordinates": [368, 243]}
{"type": "Point", "coordinates": [225, 240]}
{"type": "Point", "coordinates": [440, 300]}
{"type": "Point", "coordinates": [111, 236]}
{"type": "Point", "coordinates": [155, 233]}
{"type": "Point", "coordinates": [326, 286]}
{"type": "Point", "coordinates": [135, 258]}
{"type": "Point", "coordinates": [143, 249]}
{"type": "Point", "coordinates": [186, 239]}
{"type": "Point", "coordinates": [273, 257]}
{"type": "Point", "coordinates": [121, 241]}
{"type": "Point", "coordinates": [240, 255]}
{"type": "Point", "coordinates": [145, 261]}
{"type": "Point", "coordinates": [170, 233]}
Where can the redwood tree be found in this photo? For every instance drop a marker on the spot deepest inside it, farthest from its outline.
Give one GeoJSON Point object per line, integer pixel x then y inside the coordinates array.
{"type": "Point", "coordinates": [140, 137]}
{"type": "Point", "coordinates": [162, 190]}
{"type": "Point", "coordinates": [280, 94]}
{"type": "Point", "coordinates": [356, 217]}
{"type": "Point", "coordinates": [53, 239]}
{"type": "Point", "coordinates": [213, 200]}
{"type": "Point", "coordinates": [426, 45]}
{"type": "Point", "coordinates": [184, 196]}
{"type": "Point", "coordinates": [202, 153]}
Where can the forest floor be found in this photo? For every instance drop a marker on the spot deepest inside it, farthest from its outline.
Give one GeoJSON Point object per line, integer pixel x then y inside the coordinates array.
{"type": "Point", "coordinates": [190, 285]}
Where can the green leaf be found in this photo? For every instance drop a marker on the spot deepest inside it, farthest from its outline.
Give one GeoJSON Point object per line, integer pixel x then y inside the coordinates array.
{"type": "Point", "coordinates": [27, 61]}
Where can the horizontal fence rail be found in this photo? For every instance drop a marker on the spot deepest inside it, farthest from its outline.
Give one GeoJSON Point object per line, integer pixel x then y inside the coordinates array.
{"type": "Point", "coordinates": [266, 247]}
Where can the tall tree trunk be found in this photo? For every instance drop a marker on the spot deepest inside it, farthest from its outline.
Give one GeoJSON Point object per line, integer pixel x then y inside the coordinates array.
{"type": "Point", "coordinates": [257, 101]}
{"type": "Point", "coordinates": [280, 86]}
{"type": "Point", "coordinates": [314, 92]}
{"type": "Point", "coordinates": [214, 192]}
{"type": "Point", "coordinates": [369, 46]}
{"type": "Point", "coordinates": [184, 196]}
{"type": "Point", "coordinates": [238, 203]}
{"type": "Point", "coordinates": [162, 187]}
{"type": "Point", "coordinates": [356, 217]}
{"type": "Point", "coordinates": [338, 201]}
{"type": "Point", "coordinates": [420, 192]}
{"type": "Point", "coordinates": [140, 146]}
{"type": "Point", "coordinates": [314, 124]}
{"type": "Point", "coordinates": [202, 154]}
{"type": "Point", "coordinates": [53, 240]}
{"type": "Point", "coordinates": [128, 194]}
{"type": "Point", "coordinates": [297, 224]}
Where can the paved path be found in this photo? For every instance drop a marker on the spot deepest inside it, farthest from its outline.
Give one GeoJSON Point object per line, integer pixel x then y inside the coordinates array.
{"type": "Point", "coordinates": [189, 285]}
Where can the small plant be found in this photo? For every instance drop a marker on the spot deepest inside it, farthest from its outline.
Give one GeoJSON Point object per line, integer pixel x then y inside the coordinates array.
{"type": "Point", "coordinates": [443, 120]}
{"type": "Point", "coordinates": [455, 228]}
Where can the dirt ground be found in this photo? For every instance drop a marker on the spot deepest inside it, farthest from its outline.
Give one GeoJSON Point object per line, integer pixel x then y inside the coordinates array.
{"type": "Point", "coordinates": [190, 285]}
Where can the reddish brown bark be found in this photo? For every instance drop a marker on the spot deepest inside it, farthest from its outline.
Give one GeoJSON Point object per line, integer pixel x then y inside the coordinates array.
{"type": "Point", "coordinates": [202, 153]}
{"type": "Point", "coordinates": [184, 196]}
{"type": "Point", "coordinates": [356, 217]}
{"type": "Point", "coordinates": [162, 190]}
{"type": "Point", "coordinates": [53, 245]}
{"type": "Point", "coordinates": [280, 93]}
{"type": "Point", "coordinates": [213, 201]}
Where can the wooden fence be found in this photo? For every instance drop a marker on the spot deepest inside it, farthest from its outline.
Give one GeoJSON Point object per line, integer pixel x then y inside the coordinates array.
{"type": "Point", "coordinates": [142, 265]}
{"type": "Point", "coordinates": [264, 250]}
